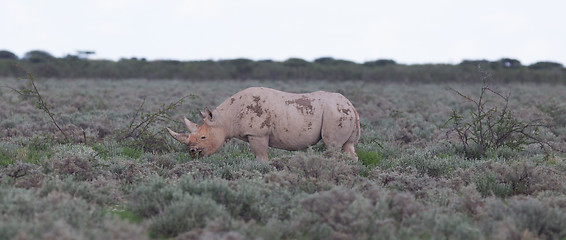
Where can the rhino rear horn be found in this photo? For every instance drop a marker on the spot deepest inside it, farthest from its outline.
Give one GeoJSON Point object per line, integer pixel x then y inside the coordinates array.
{"type": "Point", "coordinates": [181, 137]}
{"type": "Point", "coordinates": [193, 127]}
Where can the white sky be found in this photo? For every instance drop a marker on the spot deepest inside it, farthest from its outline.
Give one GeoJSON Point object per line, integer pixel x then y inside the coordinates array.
{"type": "Point", "coordinates": [411, 32]}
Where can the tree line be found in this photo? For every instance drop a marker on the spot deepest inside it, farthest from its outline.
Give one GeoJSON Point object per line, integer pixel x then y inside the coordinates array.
{"type": "Point", "coordinates": [44, 65]}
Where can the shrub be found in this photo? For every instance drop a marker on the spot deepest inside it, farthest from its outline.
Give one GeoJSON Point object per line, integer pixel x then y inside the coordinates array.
{"type": "Point", "coordinates": [504, 180]}
{"type": "Point", "coordinates": [409, 181]}
{"type": "Point", "coordinates": [186, 213]}
{"type": "Point", "coordinates": [32, 92]}
{"type": "Point", "coordinates": [54, 215]}
{"type": "Point", "coordinates": [23, 175]}
{"type": "Point", "coordinates": [555, 110]}
{"type": "Point", "coordinates": [248, 200]}
{"type": "Point", "coordinates": [524, 217]}
{"type": "Point", "coordinates": [74, 160]}
{"type": "Point", "coordinates": [140, 134]}
{"type": "Point", "coordinates": [83, 190]}
{"type": "Point", "coordinates": [151, 197]}
{"type": "Point", "coordinates": [488, 184]}
{"type": "Point", "coordinates": [491, 127]}
{"type": "Point", "coordinates": [312, 172]}
{"type": "Point", "coordinates": [448, 226]}
{"type": "Point", "coordinates": [336, 214]}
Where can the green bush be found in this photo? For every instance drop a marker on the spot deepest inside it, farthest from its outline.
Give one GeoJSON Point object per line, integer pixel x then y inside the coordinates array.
{"type": "Point", "coordinates": [369, 158]}
{"type": "Point", "coordinates": [132, 152]}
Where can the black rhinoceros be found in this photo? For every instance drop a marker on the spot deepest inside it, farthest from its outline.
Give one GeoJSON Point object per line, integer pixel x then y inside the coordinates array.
{"type": "Point", "coordinates": [267, 117]}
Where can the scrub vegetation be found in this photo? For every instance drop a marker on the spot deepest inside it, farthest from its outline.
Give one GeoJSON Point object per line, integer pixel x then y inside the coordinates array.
{"type": "Point", "coordinates": [44, 65]}
{"type": "Point", "coordinates": [108, 170]}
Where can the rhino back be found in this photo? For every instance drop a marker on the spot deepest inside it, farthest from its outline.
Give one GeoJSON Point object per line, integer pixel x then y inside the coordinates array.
{"type": "Point", "coordinates": [292, 121]}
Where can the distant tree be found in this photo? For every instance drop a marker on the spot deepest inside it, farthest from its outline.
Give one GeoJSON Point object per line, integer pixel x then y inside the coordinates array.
{"type": "Point", "coordinates": [545, 65]}
{"type": "Point", "coordinates": [4, 54]}
{"type": "Point", "coordinates": [379, 63]}
{"type": "Point", "coordinates": [475, 63]}
{"type": "Point", "coordinates": [332, 61]}
{"type": "Point", "coordinates": [37, 56]}
{"type": "Point", "coordinates": [243, 67]}
{"type": "Point", "coordinates": [71, 57]}
{"type": "Point", "coordinates": [510, 63]}
{"type": "Point", "coordinates": [324, 60]}
{"type": "Point", "coordinates": [295, 62]}
{"type": "Point", "coordinates": [237, 61]}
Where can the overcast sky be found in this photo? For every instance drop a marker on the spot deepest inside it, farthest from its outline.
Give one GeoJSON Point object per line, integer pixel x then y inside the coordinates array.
{"type": "Point", "coordinates": [411, 32]}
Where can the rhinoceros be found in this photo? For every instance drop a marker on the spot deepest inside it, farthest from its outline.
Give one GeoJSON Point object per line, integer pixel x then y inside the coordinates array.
{"type": "Point", "coordinates": [267, 117]}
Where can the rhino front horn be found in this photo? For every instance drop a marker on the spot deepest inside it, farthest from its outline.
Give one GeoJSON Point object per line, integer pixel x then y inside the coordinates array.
{"type": "Point", "coordinates": [181, 137]}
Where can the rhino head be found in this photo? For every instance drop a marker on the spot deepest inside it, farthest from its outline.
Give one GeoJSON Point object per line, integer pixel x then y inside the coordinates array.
{"type": "Point", "coordinates": [203, 140]}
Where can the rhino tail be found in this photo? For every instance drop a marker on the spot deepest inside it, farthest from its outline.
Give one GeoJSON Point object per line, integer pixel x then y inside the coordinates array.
{"type": "Point", "coordinates": [359, 132]}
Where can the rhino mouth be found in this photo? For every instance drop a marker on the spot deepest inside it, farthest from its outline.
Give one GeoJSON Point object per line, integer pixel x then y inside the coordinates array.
{"type": "Point", "coordinates": [196, 152]}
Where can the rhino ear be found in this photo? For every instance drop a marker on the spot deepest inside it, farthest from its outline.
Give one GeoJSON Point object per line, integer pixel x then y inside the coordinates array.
{"type": "Point", "coordinates": [181, 137]}
{"type": "Point", "coordinates": [206, 114]}
{"type": "Point", "coordinates": [193, 127]}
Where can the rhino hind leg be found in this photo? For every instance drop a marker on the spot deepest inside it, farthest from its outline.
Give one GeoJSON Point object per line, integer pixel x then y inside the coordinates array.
{"type": "Point", "coordinates": [340, 133]}
{"type": "Point", "coordinates": [259, 146]}
{"type": "Point", "coordinates": [337, 140]}
{"type": "Point", "coordinates": [349, 149]}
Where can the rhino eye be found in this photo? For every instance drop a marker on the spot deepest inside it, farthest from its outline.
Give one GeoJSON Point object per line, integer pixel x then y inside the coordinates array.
{"type": "Point", "coordinates": [203, 137]}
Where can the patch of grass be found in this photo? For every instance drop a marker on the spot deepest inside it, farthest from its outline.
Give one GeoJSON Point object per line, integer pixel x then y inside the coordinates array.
{"type": "Point", "coordinates": [132, 152]}
{"type": "Point", "coordinates": [124, 214]}
{"type": "Point", "coordinates": [369, 158]}
{"type": "Point", "coordinates": [36, 149]}
{"type": "Point", "coordinates": [100, 150]}
{"type": "Point", "coordinates": [5, 160]}
{"type": "Point", "coordinates": [8, 153]}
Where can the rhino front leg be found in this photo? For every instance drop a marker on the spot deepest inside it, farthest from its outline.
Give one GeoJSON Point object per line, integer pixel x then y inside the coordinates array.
{"type": "Point", "coordinates": [259, 147]}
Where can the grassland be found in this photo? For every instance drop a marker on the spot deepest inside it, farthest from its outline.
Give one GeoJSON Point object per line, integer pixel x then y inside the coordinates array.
{"type": "Point", "coordinates": [413, 180]}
